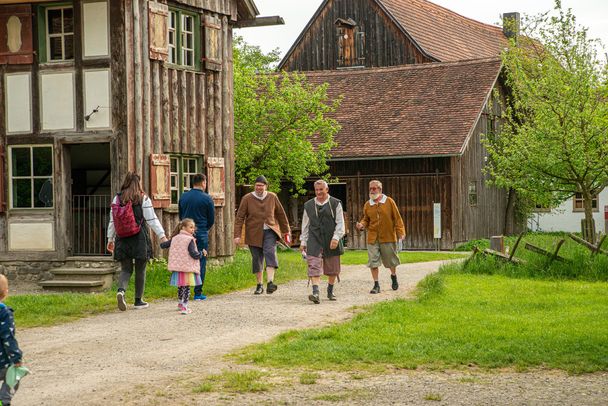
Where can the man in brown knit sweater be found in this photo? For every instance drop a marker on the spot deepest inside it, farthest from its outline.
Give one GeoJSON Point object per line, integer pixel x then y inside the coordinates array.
{"type": "Point", "coordinates": [384, 226]}
{"type": "Point", "coordinates": [265, 223]}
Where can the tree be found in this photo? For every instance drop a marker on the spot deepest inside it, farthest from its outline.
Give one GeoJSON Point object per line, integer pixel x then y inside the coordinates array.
{"type": "Point", "coordinates": [554, 137]}
{"type": "Point", "coordinates": [282, 129]}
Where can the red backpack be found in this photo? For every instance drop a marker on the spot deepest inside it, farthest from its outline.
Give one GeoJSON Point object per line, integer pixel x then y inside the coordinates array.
{"type": "Point", "coordinates": [124, 219]}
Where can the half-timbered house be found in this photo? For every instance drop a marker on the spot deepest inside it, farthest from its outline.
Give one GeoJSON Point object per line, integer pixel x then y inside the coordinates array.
{"type": "Point", "coordinates": [420, 86]}
{"type": "Point", "coordinates": [91, 89]}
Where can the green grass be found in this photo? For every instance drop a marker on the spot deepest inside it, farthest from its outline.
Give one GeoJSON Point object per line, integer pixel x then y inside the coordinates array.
{"type": "Point", "coordinates": [309, 378]}
{"type": "Point", "coordinates": [234, 382]}
{"type": "Point", "coordinates": [580, 265]}
{"type": "Point", "coordinates": [541, 239]}
{"type": "Point", "coordinates": [433, 396]}
{"type": "Point", "coordinates": [35, 310]}
{"type": "Point", "coordinates": [490, 321]}
{"type": "Point", "coordinates": [359, 257]}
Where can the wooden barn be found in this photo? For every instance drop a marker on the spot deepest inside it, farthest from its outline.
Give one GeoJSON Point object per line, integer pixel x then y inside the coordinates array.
{"type": "Point", "coordinates": [419, 83]}
{"type": "Point", "coordinates": [92, 89]}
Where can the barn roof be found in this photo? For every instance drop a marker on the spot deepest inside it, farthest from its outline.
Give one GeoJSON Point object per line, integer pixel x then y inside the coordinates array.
{"type": "Point", "coordinates": [407, 111]}
{"type": "Point", "coordinates": [443, 34]}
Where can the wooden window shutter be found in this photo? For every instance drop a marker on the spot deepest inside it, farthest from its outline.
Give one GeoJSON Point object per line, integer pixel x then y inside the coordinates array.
{"type": "Point", "coordinates": [212, 43]}
{"type": "Point", "coordinates": [340, 31]}
{"type": "Point", "coordinates": [216, 184]}
{"type": "Point", "coordinates": [160, 176]}
{"type": "Point", "coordinates": [158, 20]}
{"type": "Point", "coordinates": [360, 46]}
{"type": "Point", "coordinates": [16, 37]}
{"type": "Point", "coordinates": [2, 179]}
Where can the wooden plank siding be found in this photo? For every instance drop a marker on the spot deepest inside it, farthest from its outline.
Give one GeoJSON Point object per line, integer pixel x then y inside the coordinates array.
{"type": "Point", "coordinates": [415, 184]}
{"type": "Point", "coordinates": [385, 43]}
{"type": "Point", "coordinates": [177, 111]}
{"type": "Point", "coordinates": [487, 217]}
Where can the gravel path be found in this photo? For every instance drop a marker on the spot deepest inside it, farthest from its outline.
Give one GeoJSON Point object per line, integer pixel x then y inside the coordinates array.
{"type": "Point", "coordinates": [133, 357]}
{"type": "Point", "coordinates": [101, 356]}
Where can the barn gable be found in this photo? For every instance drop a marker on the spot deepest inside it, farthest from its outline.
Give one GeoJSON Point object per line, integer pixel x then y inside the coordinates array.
{"type": "Point", "coordinates": [372, 33]}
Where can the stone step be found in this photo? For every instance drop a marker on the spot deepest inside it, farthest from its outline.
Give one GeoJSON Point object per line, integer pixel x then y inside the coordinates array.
{"type": "Point", "coordinates": [73, 285]}
{"type": "Point", "coordinates": [105, 276]}
{"type": "Point", "coordinates": [84, 273]}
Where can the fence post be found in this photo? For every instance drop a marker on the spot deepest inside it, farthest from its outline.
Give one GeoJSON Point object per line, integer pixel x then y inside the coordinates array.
{"type": "Point", "coordinates": [497, 243]}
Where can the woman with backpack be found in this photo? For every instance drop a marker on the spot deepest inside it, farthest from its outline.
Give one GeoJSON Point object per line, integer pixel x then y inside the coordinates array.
{"type": "Point", "coordinates": [129, 239]}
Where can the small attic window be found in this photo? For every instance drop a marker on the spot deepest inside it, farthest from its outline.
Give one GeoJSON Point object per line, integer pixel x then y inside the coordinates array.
{"type": "Point", "coordinates": [351, 43]}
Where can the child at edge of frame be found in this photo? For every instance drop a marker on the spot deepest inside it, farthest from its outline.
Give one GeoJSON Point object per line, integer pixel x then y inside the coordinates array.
{"type": "Point", "coordinates": [10, 354]}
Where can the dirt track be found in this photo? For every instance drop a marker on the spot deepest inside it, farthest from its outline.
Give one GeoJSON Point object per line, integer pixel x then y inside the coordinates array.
{"type": "Point", "coordinates": [129, 357]}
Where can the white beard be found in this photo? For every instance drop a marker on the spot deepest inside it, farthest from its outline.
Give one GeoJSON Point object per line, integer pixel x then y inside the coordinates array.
{"type": "Point", "coordinates": [374, 196]}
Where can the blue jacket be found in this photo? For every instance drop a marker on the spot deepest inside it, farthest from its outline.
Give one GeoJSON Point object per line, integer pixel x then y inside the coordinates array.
{"type": "Point", "coordinates": [9, 351]}
{"type": "Point", "coordinates": [198, 206]}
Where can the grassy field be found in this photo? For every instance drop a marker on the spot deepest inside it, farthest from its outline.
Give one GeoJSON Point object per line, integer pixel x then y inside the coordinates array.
{"type": "Point", "coordinates": [489, 321]}
{"type": "Point", "coordinates": [580, 265]}
{"type": "Point", "coordinates": [35, 310]}
{"type": "Point", "coordinates": [360, 257]}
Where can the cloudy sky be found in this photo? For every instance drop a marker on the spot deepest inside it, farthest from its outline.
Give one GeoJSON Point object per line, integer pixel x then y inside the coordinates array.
{"type": "Point", "coordinates": [592, 14]}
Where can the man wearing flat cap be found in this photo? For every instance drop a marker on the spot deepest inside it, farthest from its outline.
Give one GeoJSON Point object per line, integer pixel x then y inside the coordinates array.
{"type": "Point", "coordinates": [265, 223]}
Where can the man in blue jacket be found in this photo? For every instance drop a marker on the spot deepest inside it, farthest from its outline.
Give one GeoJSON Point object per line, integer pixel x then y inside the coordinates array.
{"type": "Point", "coordinates": [198, 205]}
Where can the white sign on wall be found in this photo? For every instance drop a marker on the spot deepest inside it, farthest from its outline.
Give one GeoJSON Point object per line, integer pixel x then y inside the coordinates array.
{"type": "Point", "coordinates": [436, 220]}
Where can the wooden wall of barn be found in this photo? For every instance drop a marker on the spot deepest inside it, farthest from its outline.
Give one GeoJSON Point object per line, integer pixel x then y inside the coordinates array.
{"type": "Point", "coordinates": [171, 110]}
{"type": "Point", "coordinates": [385, 43]}
{"type": "Point", "coordinates": [415, 184]}
{"type": "Point", "coordinates": [487, 217]}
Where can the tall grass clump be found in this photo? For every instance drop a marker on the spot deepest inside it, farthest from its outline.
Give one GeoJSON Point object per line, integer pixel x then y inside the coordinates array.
{"type": "Point", "coordinates": [579, 264]}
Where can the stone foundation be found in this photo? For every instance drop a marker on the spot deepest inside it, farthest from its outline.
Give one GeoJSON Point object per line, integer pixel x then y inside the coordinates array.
{"type": "Point", "coordinates": [31, 271]}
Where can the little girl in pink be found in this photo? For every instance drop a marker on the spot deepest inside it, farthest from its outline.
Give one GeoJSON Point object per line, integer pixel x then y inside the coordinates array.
{"type": "Point", "coordinates": [184, 262]}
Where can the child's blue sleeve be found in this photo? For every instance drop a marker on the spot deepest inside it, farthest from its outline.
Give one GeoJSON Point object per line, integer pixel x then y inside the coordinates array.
{"type": "Point", "coordinates": [7, 335]}
{"type": "Point", "coordinates": [166, 244]}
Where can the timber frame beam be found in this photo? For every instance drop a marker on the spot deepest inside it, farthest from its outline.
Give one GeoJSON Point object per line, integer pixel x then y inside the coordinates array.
{"type": "Point", "coordinates": [260, 22]}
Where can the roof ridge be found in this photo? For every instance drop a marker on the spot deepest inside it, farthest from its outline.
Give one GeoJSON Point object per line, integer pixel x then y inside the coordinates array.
{"type": "Point", "coordinates": [430, 65]}
{"type": "Point", "coordinates": [469, 19]}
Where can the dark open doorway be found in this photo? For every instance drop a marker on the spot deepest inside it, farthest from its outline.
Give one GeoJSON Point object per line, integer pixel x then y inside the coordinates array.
{"type": "Point", "coordinates": [90, 171]}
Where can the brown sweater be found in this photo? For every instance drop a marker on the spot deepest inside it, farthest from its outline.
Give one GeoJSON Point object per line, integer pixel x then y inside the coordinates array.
{"type": "Point", "coordinates": [383, 221]}
{"type": "Point", "coordinates": [254, 213]}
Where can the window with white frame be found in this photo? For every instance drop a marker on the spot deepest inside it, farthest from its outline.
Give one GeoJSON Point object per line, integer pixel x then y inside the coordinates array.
{"type": "Point", "coordinates": [31, 176]}
{"type": "Point", "coordinates": [59, 33]}
{"type": "Point", "coordinates": [183, 40]}
{"type": "Point", "coordinates": [579, 203]}
{"type": "Point", "coordinates": [473, 193]}
{"type": "Point", "coordinates": [183, 169]}
{"type": "Point", "coordinates": [172, 37]}
{"type": "Point", "coordinates": [187, 40]}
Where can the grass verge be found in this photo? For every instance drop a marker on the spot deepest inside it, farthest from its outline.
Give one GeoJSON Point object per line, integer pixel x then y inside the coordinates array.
{"type": "Point", "coordinates": [36, 310]}
{"type": "Point", "coordinates": [489, 321]}
{"type": "Point", "coordinates": [359, 257]}
{"type": "Point", "coordinates": [234, 382]}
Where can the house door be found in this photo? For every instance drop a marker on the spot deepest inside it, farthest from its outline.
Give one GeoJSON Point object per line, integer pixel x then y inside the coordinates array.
{"type": "Point", "coordinates": [90, 171]}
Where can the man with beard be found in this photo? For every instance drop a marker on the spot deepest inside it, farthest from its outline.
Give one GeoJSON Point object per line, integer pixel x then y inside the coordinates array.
{"type": "Point", "coordinates": [321, 239]}
{"type": "Point", "coordinates": [265, 223]}
{"type": "Point", "coordinates": [384, 227]}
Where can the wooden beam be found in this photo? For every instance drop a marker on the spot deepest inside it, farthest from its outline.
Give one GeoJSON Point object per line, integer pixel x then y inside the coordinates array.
{"type": "Point", "coordinates": [260, 22]}
{"type": "Point", "coordinates": [512, 255]}
{"type": "Point", "coordinates": [552, 256]}
{"type": "Point", "coordinates": [594, 248]}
